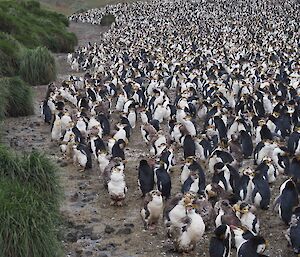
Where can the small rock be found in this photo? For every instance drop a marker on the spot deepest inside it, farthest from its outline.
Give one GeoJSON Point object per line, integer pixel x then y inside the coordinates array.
{"type": "Point", "coordinates": [95, 236]}
{"type": "Point", "coordinates": [63, 164]}
{"type": "Point", "coordinates": [88, 253]}
{"type": "Point", "coordinates": [124, 231]}
{"type": "Point", "coordinates": [102, 255]}
{"type": "Point", "coordinates": [130, 225]}
{"type": "Point", "coordinates": [109, 229]}
{"type": "Point", "coordinates": [71, 236]}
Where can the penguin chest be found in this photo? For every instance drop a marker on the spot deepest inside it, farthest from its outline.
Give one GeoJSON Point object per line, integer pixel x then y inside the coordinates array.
{"type": "Point", "coordinates": [117, 186]}
{"type": "Point", "coordinates": [81, 158]}
{"type": "Point", "coordinates": [132, 119]}
{"type": "Point", "coordinates": [155, 208]}
{"type": "Point", "coordinates": [185, 174]}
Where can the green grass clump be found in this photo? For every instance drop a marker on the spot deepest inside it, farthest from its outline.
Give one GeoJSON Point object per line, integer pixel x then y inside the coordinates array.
{"type": "Point", "coordinates": [33, 26]}
{"type": "Point", "coordinates": [28, 223]}
{"type": "Point", "coordinates": [38, 66]}
{"type": "Point", "coordinates": [107, 20]}
{"type": "Point", "coordinates": [10, 51]}
{"type": "Point", "coordinates": [18, 97]}
{"type": "Point", "coordinates": [33, 169]}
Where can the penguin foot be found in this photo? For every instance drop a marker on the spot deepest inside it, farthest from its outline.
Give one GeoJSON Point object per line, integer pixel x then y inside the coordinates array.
{"type": "Point", "coordinates": [120, 203]}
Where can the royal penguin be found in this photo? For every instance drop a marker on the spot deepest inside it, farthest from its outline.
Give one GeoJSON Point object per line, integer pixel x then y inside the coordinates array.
{"type": "Point", "coordinates": [46, 112]}
{"type": "Point", "coordinates": [225, 214]}
{"type": "Point", "coordinates": [268, 168]}
{"type": "Point", "coordinates": [246, 144]}
{"type": "Point", "coordinates": [287, 200]}
{"type": "Point", "coordinates": [261, 193]}
{"type": "Point", "coordinates": [253, 247]}
{"type": "Point", "coordinates": [246, 213]}
{"type": "Point", "coordinates": [132, 116]}
{"type": "Point", "coordinates": [293, 232]}
{"type": "Point", "coordinates": [82, 156]}
{"type": "Point", "coordinates": [152, 209]}
{"type": "Point", "coordinates": [192, 230]}
{"type": "Point", "coordinates": [294, 169]}
{"type": "Point", "coordinates": [118, 149]}
{"type": "Point", "coordinates": [102, 159]}
{"type": "Point", "coordinates": [56, 132]}
{"type": "Point", "coordinates": [174, 212]}
{"type": "Point", "coordinates": [191, 184]}
{"type": "Point", "coordinates": [145, 177]}
{"type": "Point", "coordinates": [189, 148]}
{"type": "Point", "coordinates": [163, 180]}
{"type": "Point", "coordinates": [117, 188]}
{"type": "Point", "coordinates": [220, 243]}
{"type": "Point", "coordinates": [167, 156]}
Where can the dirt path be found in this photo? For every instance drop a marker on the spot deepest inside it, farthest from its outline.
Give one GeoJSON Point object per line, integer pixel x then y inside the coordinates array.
{"type": "Point", "coordinates": [94, 228]}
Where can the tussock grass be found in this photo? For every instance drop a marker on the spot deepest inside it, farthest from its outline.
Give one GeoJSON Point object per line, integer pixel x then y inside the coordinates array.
{"type": "Point", "coordinates": [10, 51]}
{"type": "Point", "coordinates": [33, 169]}
{"type": "Point", "coordinates": [33, 26]}
{"type": "Point", "coordinates": [18, 97]}
{"type": "Point", "coordinates": [38, 66]}
{"type": "Point", "coordinates": [28, 223]}
{"type": "Point", "coordinates": [107, 20]}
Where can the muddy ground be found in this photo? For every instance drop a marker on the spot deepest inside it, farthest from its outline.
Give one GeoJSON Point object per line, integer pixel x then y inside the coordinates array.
{"type": "Point", "coordinates": [91, 226]}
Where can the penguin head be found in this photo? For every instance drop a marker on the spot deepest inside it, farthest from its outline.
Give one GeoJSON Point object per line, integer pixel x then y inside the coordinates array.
{"type": "Point", "coordinates": [143, 163]}
{"type": "Point", "coordinates": [222, 232]}
{"type": "Point", "coordinates": [260, 243]}
{"type": "Point", "coordinates": [218, 167]}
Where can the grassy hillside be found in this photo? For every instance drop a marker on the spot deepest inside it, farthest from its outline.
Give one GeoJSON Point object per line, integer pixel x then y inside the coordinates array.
{"type": "Point", "coordinates": [68, 7]}
{"type": "Point", "coordinates": [33, 26]}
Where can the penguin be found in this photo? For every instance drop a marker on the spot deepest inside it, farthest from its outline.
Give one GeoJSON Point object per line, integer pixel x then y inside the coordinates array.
{"type": "Point", "coordinates": [152, 209]}
{"type": "Point", "coordinates": [287, 200]}
{"type": "Point", "coordinates": [246, 213]}
{"type": "Point", "coordinates": [174, 212]}
{"type": "Point", "coordinates": [294, 169]}
{"type": "Point", "coordinates": [269, 170]}
{"type": "Point", "coordinates": [163, 180]}
{"type": "Point", "coordinates": [132, 117]}
{"type": "Point", "coordinates": [105, 124]}
{"type": "Point", "coordinates": [167, 156]}
{"type": "Point", "coordinates": [56, 132]}
{"type": "Point", "coordinates": [261, 193]}
{"type": "Point", "coordinates": [46, 111]}
{"type": "Point", "coordinates": [192, 230]}
{"type": "Point", "coordinates": [82, 156]}
{"type": "Point", "coordinates": [96, 144]}
{"type": "Point", "coordinates": [118, 149]}
{"type": "Point", "coordinates": [225, 214]}
{"type": "Point", "coordinates": [254, 247]}
{"type": "Point", "coordinates": [293, 233]}
{"type": "Point", "coordinates": [220, 242]}
{"type": "Point", "coordinates": [102, 159]}
{"type": "Point", "coordinates": [246, 144]}
{"type": "Point", "coordinates": [189, 147]}
{"type": "Point", "coordinates": [116, 186]}
{"type": "Point", "coordinates": [191, 184]}
{"type": "Point", "coordinates": [145, 177]}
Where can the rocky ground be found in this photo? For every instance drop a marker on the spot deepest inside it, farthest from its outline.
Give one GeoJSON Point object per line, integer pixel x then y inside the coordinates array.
{"type": "Point", "coordinates": [91, 226]}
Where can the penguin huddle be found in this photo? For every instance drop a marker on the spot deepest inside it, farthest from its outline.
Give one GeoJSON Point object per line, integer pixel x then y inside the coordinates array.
{"type": "Point", "coordinates": [215, 100]}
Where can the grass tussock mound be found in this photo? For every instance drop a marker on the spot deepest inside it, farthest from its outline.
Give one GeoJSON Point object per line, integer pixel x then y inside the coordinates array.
{"type": "Point", "coordinates": [33, 169]}
{"type": "Point", "coordinates": [16, 98]}
{"type": "Point", "coordinates": [28, 223]}
{"type": "Point", "coordinates": [10, 53]}
{"type": "Point", "coordinates": [107, 20]}
{"type": "Point", "coordinates": [33, 26]}
{"type": "Point", "coordinates": [38, 66]}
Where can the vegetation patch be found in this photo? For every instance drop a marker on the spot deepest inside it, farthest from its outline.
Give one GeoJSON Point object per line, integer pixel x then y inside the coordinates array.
{"type": "Point", "coordinates": [38, 66]}
{"type": "Point", "coordinates": [16, 97]}
{"type": "Point", "coordinates": [107, 20]}
{"type": "Point", "coordinates": [33, 26]}
{"type": "Point", "coordinates": [28, 223]}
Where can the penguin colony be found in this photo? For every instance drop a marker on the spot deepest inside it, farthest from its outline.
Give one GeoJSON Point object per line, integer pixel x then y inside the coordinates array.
{"type": "Point", "coordinates": [213, 88]}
